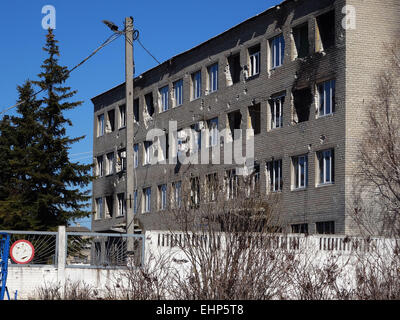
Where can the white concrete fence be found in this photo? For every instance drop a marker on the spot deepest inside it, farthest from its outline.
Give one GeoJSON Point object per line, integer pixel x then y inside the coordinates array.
{"type": "Point", "coordinates": [27, 279]}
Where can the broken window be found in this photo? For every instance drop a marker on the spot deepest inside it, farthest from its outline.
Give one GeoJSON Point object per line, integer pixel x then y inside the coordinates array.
{"type": "Point", "coordinates": [148, 152]}
{"type": "Point", "coordinates": [325, 31]}
{"type": "Point", "coordinates": [135, 201]}
{"type": "Point", "coordinates": [121, 160]}
{"type": "Point", "coordinates": [110, 163]}
{"type": "Point", "coordinates": [300, 228]}
{"type": "Point", "coordinates": [149, 104]}
{"type": "Point", "coordinates": [234, 69]}
{"type": "Point", "coordinates": [99, 167]}
{"type": "Point", "coordinates": [302, 100]}
{"type": "Point", "coordinates": [326, 227]}
{"type": "Point", "coordinates": [254, 61]}
{"type": "Point", "coordinates": [121, 204]}
{"type": "Point", "coordinates": [277, 45]}
{"type": "Point", "coordinates": [326, 92]}
{"type": "Point", "coordinates": [274, 176]}
{"type": "Point", "coordinates": [109, 206]}
{"type": "Point", "coordinates": [136, 117]}
{"type": "Point", "coordinates": [110, 127]}
{"type": "Point", "coordinates": [99, 208]}
{"type": "Point", "coordinates": [276, 105]}
{"type": "Point", "coordinates": [100, 125]}
{"type": "Point", "coordinates": [254, 183]}
{"type": "Point", "coordinates": [122, 116]}
{"type": "Point", "coordinates": [300, 35]}
{"type": "Point", "coordinates": [234, 122]}
{"type": "Point", "coordinates": [254, 118]}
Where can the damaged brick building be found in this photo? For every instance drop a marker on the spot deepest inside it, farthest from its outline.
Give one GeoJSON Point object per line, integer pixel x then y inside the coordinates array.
{"type": "Point", "coordinates": [297, 74]}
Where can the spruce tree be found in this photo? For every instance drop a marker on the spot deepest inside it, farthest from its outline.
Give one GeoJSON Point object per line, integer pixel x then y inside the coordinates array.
{"type": "Point", "coordinates": [43, 188]}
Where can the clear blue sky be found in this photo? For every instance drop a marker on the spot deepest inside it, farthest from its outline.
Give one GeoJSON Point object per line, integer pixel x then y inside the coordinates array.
{"type": "Point", "coordinates": [166, 29]}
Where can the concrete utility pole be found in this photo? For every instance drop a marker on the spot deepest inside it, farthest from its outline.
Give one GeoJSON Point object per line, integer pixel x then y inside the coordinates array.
{"type": "Point", "coordinates": [129, 74]}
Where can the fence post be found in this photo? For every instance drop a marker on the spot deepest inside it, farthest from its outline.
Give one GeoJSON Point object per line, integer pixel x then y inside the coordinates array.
{"type": "Point", "coordinates": [61, 258]}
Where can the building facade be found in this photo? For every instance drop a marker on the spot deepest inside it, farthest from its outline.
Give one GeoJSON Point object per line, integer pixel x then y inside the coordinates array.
{"type": "Point", "coordinates": [299, 75]}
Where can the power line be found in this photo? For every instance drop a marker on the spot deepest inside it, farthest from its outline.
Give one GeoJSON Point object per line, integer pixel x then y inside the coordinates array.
{"type": "Point", "coordinates": [110, 39]}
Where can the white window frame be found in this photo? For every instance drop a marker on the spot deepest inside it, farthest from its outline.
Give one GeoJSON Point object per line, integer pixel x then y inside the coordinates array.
{"type": "Point", "coordinates": [212, 78]}
{"type": "Point", "coordinates": [277, 45]}
{"type": "Point", "coordinates": [326, 95]}
{"type": "Point", "coordinates": [196, 85]}
{"type": "Point", "coordinates": [300, 163]}
{"type": "Point", "coordinates": [164, 98]}
{"type": "Point", "coordinates": [254, 59]}
{"type": "Point", "coordinates": [178, 92]}
{"type": "Point", "coordinates": [325, 165]}
{"type": "Point", "coordinates": [275, 175]}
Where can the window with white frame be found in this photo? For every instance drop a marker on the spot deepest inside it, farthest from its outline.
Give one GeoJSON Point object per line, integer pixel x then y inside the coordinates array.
{"type": "Point", "coordinates": [276, 105]}
{"type": "Point", "coordinates": [178, 93]}
{"type": "Point", "coordinates": [99, 208]}
{"type": "Point", "coordinates": [277, 45]}
{"type": "Point", "coordinates": [148, 152]}
{"type": "Point", "coordinates": [162, 197]}
{"type": "Point", "coordinates": [110, 163]}
{"type": "Point", "coordinates": [274, 175]}
{"type": "Point", "coordinates": [326, 92]}
{"type": "Point", "coordinates": [212, 78]}
{"type": "Point", "coordinates": [326, 166]}
{"type": "Point", "coordinates": [99, 166]}
{"type": "Point", "coordinates": [100, 125]}
{"type": "Point", "coordinates": [196, 85]}
{"type": "Point", "coordinates": [122, 116]}
{"type": "Point", "coordinates": [177, 187]}
{"type": "Point", "coordinates": [254, 61]}
{"type": "Point", "coordinates": [146, 200]}
{"type": "Point", "coordinates": [121, 204]}
{"type": "Point", "coordinates": [300, 171]}
{"type": "Point", "coordinates": [164, 98]}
